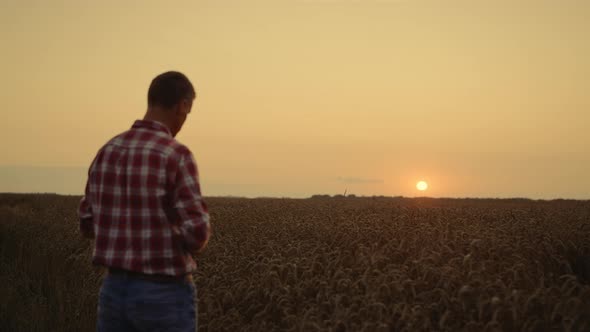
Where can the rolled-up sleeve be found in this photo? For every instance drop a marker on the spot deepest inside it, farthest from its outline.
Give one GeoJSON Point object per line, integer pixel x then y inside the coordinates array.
{"type": "Point", "coordinates": [195, 228]}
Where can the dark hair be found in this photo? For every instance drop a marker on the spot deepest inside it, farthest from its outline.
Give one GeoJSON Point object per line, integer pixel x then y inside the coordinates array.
{"type": "Point", "coordinates": [170, 88]}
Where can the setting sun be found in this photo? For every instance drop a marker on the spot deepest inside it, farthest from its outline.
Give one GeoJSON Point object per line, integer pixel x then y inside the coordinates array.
{"type": "Point", "coordinates": [422, 185]}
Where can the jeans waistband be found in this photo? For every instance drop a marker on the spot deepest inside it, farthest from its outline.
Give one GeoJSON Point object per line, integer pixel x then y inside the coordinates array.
{"type": "Point", "coordinates": [151, 277]}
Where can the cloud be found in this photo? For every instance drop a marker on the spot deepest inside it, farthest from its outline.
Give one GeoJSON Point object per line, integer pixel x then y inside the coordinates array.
{"type": "Point", "coordinates": [357, 180]}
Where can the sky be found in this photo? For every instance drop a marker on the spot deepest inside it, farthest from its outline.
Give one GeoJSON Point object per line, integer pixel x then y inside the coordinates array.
{"type": "Point", "coordinates": [295, 98]}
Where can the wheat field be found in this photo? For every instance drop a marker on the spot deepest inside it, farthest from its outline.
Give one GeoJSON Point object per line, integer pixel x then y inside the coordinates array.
{"type": "Point", "coordinates": [328, 264]}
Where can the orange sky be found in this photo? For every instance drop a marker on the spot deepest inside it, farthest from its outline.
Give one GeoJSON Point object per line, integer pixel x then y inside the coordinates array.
{"type": "Point", "coordinates": [479, 98]}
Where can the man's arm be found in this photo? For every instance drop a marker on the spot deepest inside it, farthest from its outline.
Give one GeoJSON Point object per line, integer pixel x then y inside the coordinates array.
{"type": "Point", "coordinates": [85, 210]}
{"type": "Point", "coordinates": [195, 228]}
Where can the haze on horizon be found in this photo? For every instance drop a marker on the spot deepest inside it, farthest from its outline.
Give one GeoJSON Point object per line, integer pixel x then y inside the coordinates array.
{"type": "Point", "coordinates": [295, 98]}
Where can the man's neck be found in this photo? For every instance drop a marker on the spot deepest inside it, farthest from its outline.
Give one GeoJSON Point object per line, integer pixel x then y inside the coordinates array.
{"type": "Point", "coordinates": [158, 116]}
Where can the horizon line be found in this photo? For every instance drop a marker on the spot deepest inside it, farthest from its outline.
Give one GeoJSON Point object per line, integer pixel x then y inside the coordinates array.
{"type": "Point", "coordinates": [352, 196]}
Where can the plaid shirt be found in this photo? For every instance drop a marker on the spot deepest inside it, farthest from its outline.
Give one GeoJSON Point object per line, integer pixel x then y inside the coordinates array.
{"type": "Point", "coordinates": [143, 203]}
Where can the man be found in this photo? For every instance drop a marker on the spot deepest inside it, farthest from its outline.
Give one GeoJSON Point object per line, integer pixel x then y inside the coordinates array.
{"type": "Point", "coordinates": [143, 207]}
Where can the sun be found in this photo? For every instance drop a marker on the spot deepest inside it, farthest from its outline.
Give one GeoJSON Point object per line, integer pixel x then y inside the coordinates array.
{"type": "Point", "coordinates": [421, 185]}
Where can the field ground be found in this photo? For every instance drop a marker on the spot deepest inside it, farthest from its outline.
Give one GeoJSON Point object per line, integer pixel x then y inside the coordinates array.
{"type": "Point", "coordinates": [328, 264]}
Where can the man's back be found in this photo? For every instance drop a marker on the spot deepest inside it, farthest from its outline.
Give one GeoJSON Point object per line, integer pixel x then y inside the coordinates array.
{"type": "Point", "coordinates": [145, 202]}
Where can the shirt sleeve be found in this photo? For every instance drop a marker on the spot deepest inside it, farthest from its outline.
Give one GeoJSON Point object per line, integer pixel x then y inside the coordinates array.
{"type": "Point", "coordinates": [85, 212]}
{"type": "Point", "coordinates": [188, 203]}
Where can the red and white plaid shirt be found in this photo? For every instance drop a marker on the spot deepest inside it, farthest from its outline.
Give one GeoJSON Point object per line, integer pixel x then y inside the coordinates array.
{"type": "Point", "coordinates": [143, 203]}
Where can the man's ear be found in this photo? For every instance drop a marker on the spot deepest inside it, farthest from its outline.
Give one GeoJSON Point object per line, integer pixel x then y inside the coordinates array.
{"type": "Point", "coordinates": [178, 108]}
{"type": "Point", "coordinates": [185, 106]}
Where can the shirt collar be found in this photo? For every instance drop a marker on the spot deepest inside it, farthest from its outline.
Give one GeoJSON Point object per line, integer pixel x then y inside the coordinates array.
{"type": "Point", "coordinates": [151, 124]}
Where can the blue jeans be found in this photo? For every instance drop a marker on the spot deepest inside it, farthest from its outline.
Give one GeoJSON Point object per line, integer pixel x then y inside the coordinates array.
{"type": "Point", "coordinates": [131, 304]}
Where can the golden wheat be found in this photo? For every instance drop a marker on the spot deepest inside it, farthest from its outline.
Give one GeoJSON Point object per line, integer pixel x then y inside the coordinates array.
{"type": "Point", "coordinates": [329, 264]}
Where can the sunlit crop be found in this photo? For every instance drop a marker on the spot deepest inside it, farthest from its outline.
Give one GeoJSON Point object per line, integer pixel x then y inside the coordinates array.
{"type": "Point", "coordinates": [332, 264]}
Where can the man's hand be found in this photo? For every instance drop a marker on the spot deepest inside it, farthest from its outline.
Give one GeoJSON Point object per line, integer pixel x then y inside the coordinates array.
{"type": "Point", "coordinates": [87, 228]}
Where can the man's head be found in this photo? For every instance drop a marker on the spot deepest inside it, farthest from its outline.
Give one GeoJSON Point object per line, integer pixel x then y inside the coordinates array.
{"type": "Point", "coordinates": [170, 99]}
